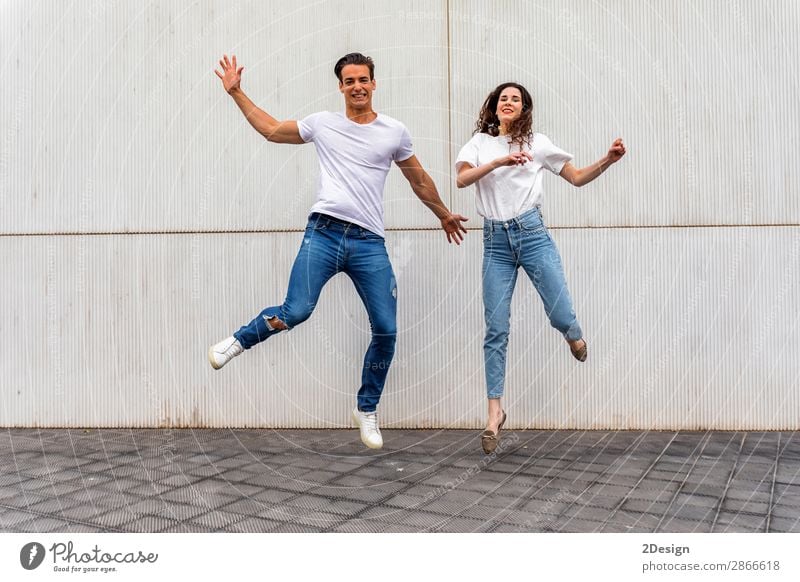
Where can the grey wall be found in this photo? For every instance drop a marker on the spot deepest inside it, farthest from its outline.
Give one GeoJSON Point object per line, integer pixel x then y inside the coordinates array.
{"type": "Point", "coordinates": [142, 219]}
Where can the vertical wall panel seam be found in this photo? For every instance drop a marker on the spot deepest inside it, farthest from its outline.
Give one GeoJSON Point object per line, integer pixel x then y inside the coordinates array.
{"type": "Point", "coordinates": [450, 175]}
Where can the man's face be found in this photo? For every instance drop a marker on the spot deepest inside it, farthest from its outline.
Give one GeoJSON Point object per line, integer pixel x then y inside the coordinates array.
{"type": "Point", "coordinates": [357, 87]}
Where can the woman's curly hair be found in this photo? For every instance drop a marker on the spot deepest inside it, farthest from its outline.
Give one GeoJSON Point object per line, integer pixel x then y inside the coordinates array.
{"type": "Point", "coordinates": [520, 130]}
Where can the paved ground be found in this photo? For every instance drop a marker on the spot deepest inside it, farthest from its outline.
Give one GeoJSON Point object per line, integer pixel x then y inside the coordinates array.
{"type": "Point", "coordinates": [61, 480]}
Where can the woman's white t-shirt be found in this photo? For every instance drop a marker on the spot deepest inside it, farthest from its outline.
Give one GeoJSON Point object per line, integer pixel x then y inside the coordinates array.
{"type": "Point", "coordinates": [510, 191]}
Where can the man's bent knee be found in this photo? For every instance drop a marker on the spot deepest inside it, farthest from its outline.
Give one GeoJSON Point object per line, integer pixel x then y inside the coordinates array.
{"type": "Point", "coordinates": [275, 324]}
{"type": "Point", "coordinates": [294, 317]}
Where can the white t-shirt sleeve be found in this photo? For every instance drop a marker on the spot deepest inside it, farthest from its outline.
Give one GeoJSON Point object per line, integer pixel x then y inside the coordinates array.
{"type": "Point", "coordinates": [308, 126]}
{"type": "Point", "coordinates": [469, 153]}
{"type": "Point", "coordinates": [404, 149]}
{"type": "Point", "coordinates": [552, 157]}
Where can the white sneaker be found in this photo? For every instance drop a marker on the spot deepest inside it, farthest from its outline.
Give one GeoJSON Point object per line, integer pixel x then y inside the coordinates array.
{"type": "Point", "coordinates": [223, 352]}
{"type": "Point", "coordinates": [368, 423]}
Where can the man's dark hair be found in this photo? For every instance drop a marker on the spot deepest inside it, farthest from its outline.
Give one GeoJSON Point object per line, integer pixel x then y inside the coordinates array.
{"type": "Point", "coordinates": [354, 59]}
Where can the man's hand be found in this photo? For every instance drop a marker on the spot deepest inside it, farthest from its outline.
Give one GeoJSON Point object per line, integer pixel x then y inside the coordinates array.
{"type": "Point", "coordinates": [453, 227]}
{"type": "Point", "coordinates": [230, 75]}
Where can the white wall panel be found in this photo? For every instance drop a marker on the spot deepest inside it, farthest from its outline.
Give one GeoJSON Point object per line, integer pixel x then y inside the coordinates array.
{"type": "Point", "coordinates": [705, 94]}
{"type": "Point", "coordinates": [113, 120]}
{"type": "Point", "coordinates": [688, 328]}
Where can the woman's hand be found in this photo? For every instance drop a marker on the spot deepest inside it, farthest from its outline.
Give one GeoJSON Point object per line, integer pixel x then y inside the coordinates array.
{"type": "Point", "coordinates": [468, 174]}
{"type": "Point", "coordinates": [616, 151]}
{"type": "Point", "coordinates": [513, 159]}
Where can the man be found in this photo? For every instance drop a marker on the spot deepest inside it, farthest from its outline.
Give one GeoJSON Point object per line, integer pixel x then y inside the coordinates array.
{"type": "Point", "coordinates": [345, 228]}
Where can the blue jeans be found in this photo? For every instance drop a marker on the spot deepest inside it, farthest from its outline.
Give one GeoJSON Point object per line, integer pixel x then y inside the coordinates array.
{"type": "Point", "coordinates": [332, 246]}
{"type": "Point", "coordinates": [507, 246]}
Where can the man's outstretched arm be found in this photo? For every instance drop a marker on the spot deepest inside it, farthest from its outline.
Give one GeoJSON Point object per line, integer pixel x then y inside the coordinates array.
{"type": "Point", "coordinates": [425, 189]}
{"type": "Point", "coordinates": [272, 129]}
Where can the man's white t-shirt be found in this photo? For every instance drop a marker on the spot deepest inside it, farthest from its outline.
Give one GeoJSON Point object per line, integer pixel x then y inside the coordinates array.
{"type": "Point", "coordinates": [510, 191]}
{"type": "Point", "coordinates": [354, 160]}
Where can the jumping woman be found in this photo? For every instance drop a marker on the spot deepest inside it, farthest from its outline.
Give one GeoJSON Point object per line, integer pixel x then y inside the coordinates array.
{"type": "Point", "coordinates": [506, 160]}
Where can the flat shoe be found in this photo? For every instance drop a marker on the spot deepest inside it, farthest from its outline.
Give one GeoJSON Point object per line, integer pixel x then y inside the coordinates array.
{"type": "Point", "coordinates": [581, 352]}
{"type": "Point", "coordinates": [490, 439]}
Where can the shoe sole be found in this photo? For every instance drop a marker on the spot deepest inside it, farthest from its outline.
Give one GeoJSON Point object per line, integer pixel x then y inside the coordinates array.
{"type": "Point", "coordinates": [211, 359]}
{"type": "Point", "coordinates": [358, 424]}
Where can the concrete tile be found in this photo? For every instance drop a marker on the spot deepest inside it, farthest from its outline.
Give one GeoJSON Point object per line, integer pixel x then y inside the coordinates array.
{"type": "Point", "coordinates": [320, 477]}
{"type": "Point", "coordinates": [462, 525]}
{"type": "Point", "coordinates": [186, 527]}
{"type": "Point", "coordinates": [83, 513]}
{"type": "Point", "coordinates": [320, 519]}
{"type": "Point", "coordinates": [215, 520]}
{"type": "Point", "coordinates": [261, 482]}
{"type": "Point", "coordinates": [42, 525]}
{"type": "Point", "coordinates": [644, 506]}
{"type": "Point", "coordinates": [506, 528]}
{"type": "Point", "coordinates": [588, 512]}
{"type": "Point", "coordinates": [204, 471]}
{"type": "Point", "coordinates": [283, 513]}
{"type": "Point", "coordinates": [115, 518]}
{"type": "Point", "coordinates": [23, 501]}
{"type": "Point", "coordinates": [636, 521]}
{"type": "Point", "coordinates": [149, 524]}
{"type": "Point", "coordinates": [785, 524]}
{"type": "Point", "coordinates": [194, 495]}
{"type": "Point", "coordinates": [674, 524]}
{"type": "Point", "coordinates": [738, 505]}
{"type": "Point", "coordinates": [74, 527]}
{"type": "Point", "coordinates": [250, 507]}
{"type": "Point", "coordinates": [786, 511]}
{"type": "Point", "coordinates": [10, 519]}
{"type": "Point", "coordinates": [272, 496]}
{"type": "Point", "coordinates": [787, 499]}
{"type": "Point", "coordinates": [692, 512]}
{"type": "Point", "coordinates": [252, 525]}
{"type": "Point", "coordinates": [574, 525]}
{"type": "Point", "coordinates": [601, 501]}
{"type": "Point", "coordinates": [747, 494]}
{"type": "Point", "coordinates": [54, 506]}
{"type": "Point", "coordinates": [405, 501]}
{"type": "Point", "coordinates": [371, 526]}
{"type": "Point", "coordinates": [385, 514]}
{"type": "Point", "coordinates": [345, 508]}
{"type": "Point", "coordinates": [695, 500]}
{"type": "Point", "coordinates": [296, 528]}
{"type": "Point", "coordinates": [143, 490]}
{"type": "Point", "coordinates": [424, 521]}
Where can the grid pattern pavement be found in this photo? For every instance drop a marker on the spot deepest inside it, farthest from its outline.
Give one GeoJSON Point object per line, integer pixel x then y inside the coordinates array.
{"type": "Point", "coordinates": [210, 480]}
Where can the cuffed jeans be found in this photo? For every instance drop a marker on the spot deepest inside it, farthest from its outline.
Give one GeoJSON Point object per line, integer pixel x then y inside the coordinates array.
{"type": "Point", "coordinates": [507, 245]}
{"type": "Point", "coordinates": [332, 246]}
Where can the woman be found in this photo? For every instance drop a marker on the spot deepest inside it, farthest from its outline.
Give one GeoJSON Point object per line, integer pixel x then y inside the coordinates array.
{"type": "Point", "coordinates": [506, 161]}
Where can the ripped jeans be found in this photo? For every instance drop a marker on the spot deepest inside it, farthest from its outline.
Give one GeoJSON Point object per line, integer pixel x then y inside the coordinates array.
{"type": "Point", "coordinates": [508, 245]}
{"type": "Point", "coordinates": [332, 246]}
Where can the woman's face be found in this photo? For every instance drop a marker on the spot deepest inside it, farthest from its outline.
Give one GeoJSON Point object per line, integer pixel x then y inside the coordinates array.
{"type": "Point", "coordinates": [509, 105]}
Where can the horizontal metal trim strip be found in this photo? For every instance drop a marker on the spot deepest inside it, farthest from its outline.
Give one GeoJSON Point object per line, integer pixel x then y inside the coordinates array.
{"type": "Point", "coordinates": [409, 229]}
